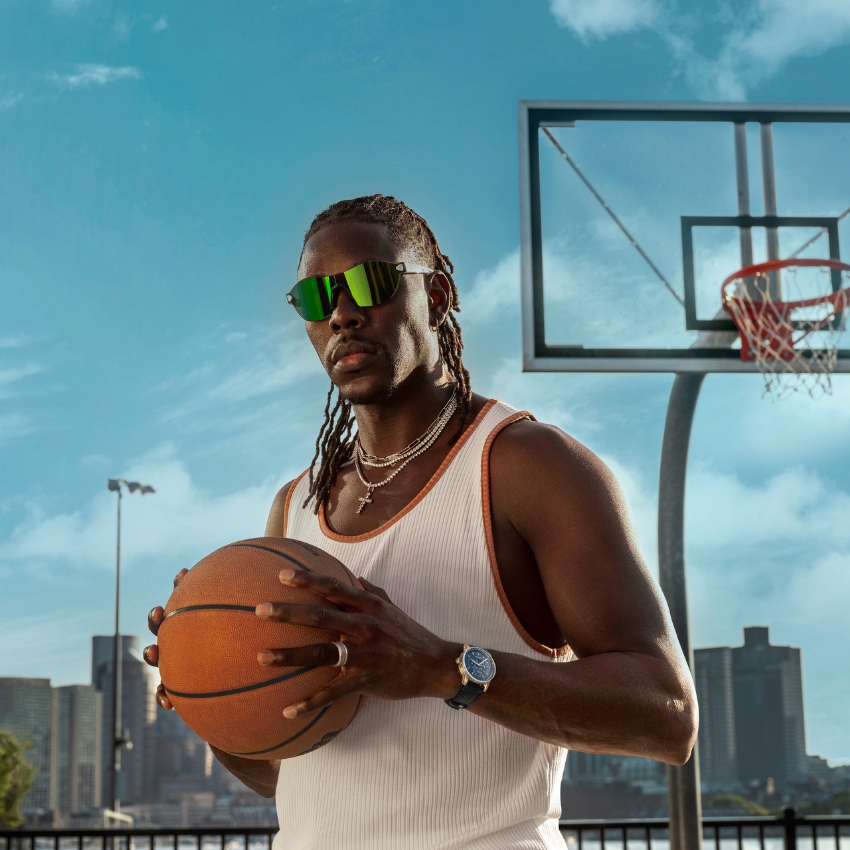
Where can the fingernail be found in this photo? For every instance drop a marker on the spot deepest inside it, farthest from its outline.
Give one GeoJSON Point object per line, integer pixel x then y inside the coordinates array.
{"type": "Point", "coordinates": [286, 575]}
{"type": "Point", "coordinates": [264, 609]}
{"type": "Point", "coordinates": [150, 613]}
{"type": "Point", "coordinates": [290, 712]}
{"type": "Point", "coordinates": [265, 657]}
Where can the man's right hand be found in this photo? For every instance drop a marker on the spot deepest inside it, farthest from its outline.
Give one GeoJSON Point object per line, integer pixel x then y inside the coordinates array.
{"type": "Point", "coordinates": [151, 653]}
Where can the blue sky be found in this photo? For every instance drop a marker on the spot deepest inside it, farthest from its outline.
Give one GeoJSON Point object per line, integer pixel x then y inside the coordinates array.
{"type": "Point", "coordinates": [159, 167]}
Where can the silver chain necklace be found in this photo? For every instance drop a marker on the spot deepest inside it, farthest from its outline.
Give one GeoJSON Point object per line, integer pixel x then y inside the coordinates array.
{"type": "Point", "coordinates": [416, 448]}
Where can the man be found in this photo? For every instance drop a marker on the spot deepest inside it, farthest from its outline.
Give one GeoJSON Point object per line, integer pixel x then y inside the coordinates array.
{"type": "Point", "coordinates": [490, 548]}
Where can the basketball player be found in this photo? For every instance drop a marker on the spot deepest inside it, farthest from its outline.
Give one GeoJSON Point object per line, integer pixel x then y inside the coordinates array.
{"type": "Point", "coordinates": [492, 548]}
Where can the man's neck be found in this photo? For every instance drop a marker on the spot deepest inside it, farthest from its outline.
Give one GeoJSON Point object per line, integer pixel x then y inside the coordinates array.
{"type": "Point", "coordinates": [395, 422]}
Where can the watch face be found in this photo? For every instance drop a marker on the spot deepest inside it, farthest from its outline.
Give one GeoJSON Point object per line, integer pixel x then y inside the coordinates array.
{"type": "Point", "coordinates": [479, 665]}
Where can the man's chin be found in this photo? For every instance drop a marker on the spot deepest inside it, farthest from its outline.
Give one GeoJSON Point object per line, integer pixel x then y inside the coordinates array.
{"type": "Point", "coordinates": [365, 391]}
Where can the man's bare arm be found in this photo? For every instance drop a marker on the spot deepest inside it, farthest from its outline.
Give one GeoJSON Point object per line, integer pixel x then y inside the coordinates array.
{"type": "Point", "coordinates": [630, 690]}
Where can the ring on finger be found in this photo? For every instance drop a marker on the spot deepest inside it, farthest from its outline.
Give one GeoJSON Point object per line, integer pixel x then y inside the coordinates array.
{"type": "Point", "coordinates": [343, 653]}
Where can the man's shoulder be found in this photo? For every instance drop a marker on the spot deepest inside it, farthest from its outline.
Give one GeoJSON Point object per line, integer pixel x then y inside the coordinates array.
{"type": "Point", "coordinates": [530, 453]}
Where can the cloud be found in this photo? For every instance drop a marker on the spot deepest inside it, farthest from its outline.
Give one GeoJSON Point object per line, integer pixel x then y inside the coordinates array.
{"type": "Point", "coordinates": [10, 101]}
{"type": "Point", "coordinates": [758, 41]}
{"type": "Point", "coordinates": [11, 375]}
{"type": "Point", "coordinates": [14, 425]}
{"type": "Point", "coordinates": [68, 5]}
{"type": "Point", "coordinates": [180, 523]}
{"type": "Point", "coordinates": [97, 75]}
{"type": "Point", "coordinates": [599, 19]}
{"type": "Point", "coordinates": [161, 24]}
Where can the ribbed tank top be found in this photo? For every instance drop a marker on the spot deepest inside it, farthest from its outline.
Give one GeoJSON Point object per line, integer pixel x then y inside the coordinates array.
{"type": "Point", "coordinates": [415, 773]}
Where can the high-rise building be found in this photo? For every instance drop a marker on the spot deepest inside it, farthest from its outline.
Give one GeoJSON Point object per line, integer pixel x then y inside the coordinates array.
{"type": "Point", "coordinates": [27, 710]}
{"type": "Point", "coordinates": [769, 725]}
{"type": "Point", "coordinates": [77, 748]}
{"type": "Point", "coordinates": [717, 741]}
{"type": "Point", "coordinates": [138, 713]}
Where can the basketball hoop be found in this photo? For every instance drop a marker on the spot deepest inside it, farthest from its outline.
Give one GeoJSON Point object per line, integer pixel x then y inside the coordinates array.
{"type": "Point", "coordinates": [774, 326]}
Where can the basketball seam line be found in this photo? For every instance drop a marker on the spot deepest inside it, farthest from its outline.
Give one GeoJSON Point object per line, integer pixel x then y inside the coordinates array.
{"type": "Point", "coordinates": [313, 722]}
{"type": "Point", "coordinates": [268, 549]}
{"type": "Point", "coordinates": [211, 606]}
{"type": "Point", "coordinates": [282, 555]}
{"type": "Point", "coordinates": [242, 690]}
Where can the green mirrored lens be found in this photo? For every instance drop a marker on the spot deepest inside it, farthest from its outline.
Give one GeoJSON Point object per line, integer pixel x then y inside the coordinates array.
{"type": "Point", "coordinates": [369, 284]}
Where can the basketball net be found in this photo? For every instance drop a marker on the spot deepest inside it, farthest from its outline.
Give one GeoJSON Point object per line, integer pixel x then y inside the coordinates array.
{"type": "Point", "coordinates": [790, 315]}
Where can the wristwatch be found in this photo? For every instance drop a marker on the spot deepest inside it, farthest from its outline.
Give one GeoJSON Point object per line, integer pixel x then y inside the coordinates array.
{"type": "Point", "coordinates": [477, 669]}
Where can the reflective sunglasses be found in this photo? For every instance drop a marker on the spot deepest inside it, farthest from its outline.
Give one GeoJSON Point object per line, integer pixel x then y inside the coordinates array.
{"type": "Point", "coordinates": [369, 284]}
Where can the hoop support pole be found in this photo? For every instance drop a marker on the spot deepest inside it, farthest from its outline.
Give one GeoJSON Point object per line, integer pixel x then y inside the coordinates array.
{"type": "Point", "coordinates": [683, 785]}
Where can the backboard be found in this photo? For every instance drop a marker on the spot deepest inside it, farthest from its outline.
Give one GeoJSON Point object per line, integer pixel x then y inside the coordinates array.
{"type": "Point", "coordinates": [633, 214]}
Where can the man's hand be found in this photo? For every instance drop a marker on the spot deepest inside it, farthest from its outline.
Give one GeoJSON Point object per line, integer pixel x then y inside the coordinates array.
{"type": "Point", "coordinates": [389, 654]}
{"type": "Point", "coordinates": [151, 653]}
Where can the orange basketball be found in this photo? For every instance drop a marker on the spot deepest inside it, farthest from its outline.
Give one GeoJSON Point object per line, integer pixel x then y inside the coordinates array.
{"type": "Point", "coordinates": [208, 644]}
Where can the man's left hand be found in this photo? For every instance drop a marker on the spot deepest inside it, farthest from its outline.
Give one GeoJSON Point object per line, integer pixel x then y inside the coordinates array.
{"type": "Point", "coordinates": [390, 655]}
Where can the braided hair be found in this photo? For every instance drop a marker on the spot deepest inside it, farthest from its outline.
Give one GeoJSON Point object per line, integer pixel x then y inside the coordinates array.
{"type": "Point", "coordinates": [406, 228]}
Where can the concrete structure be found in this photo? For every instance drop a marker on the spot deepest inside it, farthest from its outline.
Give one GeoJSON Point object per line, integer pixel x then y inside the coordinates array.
{"type": "Point", "coordinates": [28, 711]}
{"type": "Point", "coordinates": [77, 748]}
{"type": "Point", "coordinates": [717, 740]}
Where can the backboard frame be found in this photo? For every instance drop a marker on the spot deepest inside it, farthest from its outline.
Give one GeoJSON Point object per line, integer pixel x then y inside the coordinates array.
{"type": "Point", "coordinates": [703, 357]}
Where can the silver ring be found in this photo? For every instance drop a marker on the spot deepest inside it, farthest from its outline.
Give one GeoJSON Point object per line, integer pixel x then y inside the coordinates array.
{"type": "Point", "coordinates": [343, 653]}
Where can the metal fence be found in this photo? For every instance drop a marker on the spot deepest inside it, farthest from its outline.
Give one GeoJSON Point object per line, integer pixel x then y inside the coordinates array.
{"type": "Point", "coordinates": [789, 831]}
{"type": "Point", "coordinates": [786, 832]}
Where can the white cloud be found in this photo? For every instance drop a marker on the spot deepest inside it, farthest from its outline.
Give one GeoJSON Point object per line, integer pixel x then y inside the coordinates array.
{"type": "Point", "coordinates": [97, 75]}
{"type": "Point", "coordinates": [10, 101]}
{"type": "Point", "coordinates": [13, 374]}
{"type": "Point", "coordinates": [602, 18]}
{"type": "Point", "coordinates": [180, 523]}
{"type": "Point", "coordinates": [161, 24]}
{"type": "Point", "coordinates": [14, 425]}
{"type": "Point", "coordinates": [760, 39]}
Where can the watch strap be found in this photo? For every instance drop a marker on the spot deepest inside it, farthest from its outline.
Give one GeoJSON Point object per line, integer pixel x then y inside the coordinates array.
{"type": "Point", "coordinates": [466, 695]}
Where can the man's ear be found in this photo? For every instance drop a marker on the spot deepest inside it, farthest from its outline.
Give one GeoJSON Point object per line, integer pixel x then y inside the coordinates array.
{"type": "Point", "coordinates": [439, 292]}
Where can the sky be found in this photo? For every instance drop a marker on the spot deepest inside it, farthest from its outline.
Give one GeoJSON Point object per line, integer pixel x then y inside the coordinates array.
{"type": "Point", "coordinates": [160, 165]}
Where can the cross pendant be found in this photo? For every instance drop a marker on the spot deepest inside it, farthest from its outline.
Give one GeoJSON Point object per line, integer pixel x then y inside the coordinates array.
{"type": "Point", "coordinates": [365, 500]}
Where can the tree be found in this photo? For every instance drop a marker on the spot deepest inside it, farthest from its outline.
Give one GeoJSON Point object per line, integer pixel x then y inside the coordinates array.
{"type": "Point", "coordinates": [16, 775]}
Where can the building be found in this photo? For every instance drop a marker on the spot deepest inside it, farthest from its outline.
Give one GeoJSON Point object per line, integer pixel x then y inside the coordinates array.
{"type": "Point", "coordinates": [77, 748]}
{"type": "Point", "coordinates": [717, 741]}
{"type": "Point", "coordinates": [769, 725]}
{"type": "Point", "coordinates": [751, 713]}
{"type": "Point", "coordinates": [27, 710]}
{"type": "Point", "coordinates": [138, 714]}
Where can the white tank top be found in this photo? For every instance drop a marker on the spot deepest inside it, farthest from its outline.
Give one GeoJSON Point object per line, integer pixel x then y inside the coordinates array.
{"type": "Point", "coordinates": [416, 773]}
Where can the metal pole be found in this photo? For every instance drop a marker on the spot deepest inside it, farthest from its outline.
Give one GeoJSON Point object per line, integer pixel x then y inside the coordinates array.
{"type": "Point", "coordinates": [768, 180]}
{"type": "Point", "coordinates": [683, 787]}
{"type": "Point", "coordinates": [117, 726]}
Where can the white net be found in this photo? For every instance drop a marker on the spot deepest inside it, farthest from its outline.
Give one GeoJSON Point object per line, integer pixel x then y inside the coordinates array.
{"type": "Point", "coordinates": [790, 315]}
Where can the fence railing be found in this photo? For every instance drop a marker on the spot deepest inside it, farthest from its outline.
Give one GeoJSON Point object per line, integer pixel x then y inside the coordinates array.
{"type": "Point", "coordinates": [789, 831]}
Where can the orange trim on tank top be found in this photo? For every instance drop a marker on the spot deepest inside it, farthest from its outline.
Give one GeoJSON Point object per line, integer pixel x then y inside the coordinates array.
{"type": "Point", "coordinates": [356, 538]}
{"type": "Point", "coordinates": [288, 499]}
{"type": "Point", "coordinates": [491, 547]}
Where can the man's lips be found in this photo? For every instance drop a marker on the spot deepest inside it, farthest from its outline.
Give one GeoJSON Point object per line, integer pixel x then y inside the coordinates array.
{"type": "Point", "coordinates": [352, 355]}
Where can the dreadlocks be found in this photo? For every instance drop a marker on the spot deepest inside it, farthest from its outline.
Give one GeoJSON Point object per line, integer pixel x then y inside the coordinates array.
{"type": "Point", "coordinates": [405, 227]}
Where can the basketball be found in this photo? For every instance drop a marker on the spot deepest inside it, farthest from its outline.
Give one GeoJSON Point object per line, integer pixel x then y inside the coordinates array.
{"type": "Point", "coordinates": [208, 644]}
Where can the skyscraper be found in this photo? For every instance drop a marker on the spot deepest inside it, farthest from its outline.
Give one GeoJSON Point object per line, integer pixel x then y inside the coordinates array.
{"type": "Point", "coordinates": [717, 741]}
{"type": "Point", "coordinates": [77, 748]}
{"type": "Point", "coordinates": [27, 710]}
{"type": "Point", "coordinates": [138, 712]}
{"type": "Point", "coordinates": [769, 724]}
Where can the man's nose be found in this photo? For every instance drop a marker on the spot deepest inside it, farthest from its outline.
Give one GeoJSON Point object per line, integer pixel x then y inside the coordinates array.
{"type": "Point", "coordinates": [346, 313]}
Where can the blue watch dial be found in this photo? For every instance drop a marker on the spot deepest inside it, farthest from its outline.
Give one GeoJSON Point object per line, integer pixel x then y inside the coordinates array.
{"type": "Point", "coordinates": [479, 665]}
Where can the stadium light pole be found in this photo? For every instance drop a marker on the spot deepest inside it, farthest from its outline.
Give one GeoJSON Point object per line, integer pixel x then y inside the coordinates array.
{"type": "Point", "coordinates": [118, 737]}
